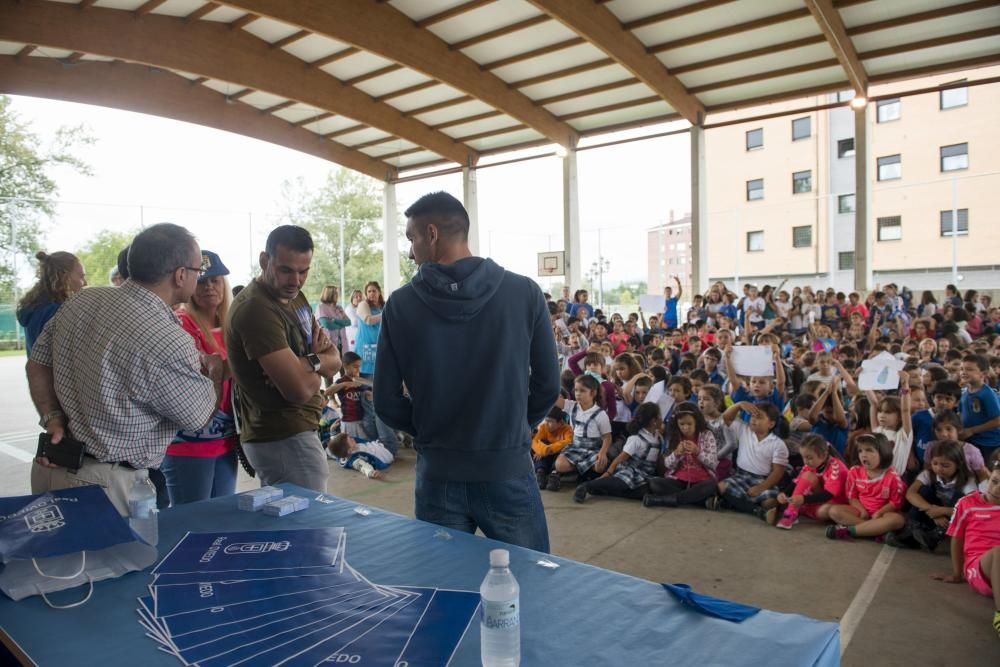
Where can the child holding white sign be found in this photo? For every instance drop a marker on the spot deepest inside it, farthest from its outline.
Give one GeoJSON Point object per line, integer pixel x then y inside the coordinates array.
{"type": "Point", "coordinates": [892, 418]}
{"type": "Point", "coordinates": [763, 388]}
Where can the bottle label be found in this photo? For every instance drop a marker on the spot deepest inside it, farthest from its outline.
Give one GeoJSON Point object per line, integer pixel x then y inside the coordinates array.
{"type": "Point", "coordinates": [501, 615]}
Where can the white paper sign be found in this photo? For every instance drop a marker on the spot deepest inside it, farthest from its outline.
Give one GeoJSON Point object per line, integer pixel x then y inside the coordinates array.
{"type": "Point", "coordinates": [651, 303]}
{"type": "Point", "coordinates": [753, 360]}
{"type": "Point", "coordinates": [880, 373]}
{"type": "Point", "coordinates": [658, 394]}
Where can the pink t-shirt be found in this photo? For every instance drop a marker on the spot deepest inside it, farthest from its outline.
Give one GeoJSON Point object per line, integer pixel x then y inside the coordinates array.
{"type": "Point", "coordinates": [875, 493]}
{"type": "Point", "coordinates": [834, 478]}
{"type": "Point", "coordinates": [976, 521]}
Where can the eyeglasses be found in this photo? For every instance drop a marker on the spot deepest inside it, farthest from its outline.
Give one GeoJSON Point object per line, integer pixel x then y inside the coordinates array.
{"type": "Point", "coordinates": [199, 270]}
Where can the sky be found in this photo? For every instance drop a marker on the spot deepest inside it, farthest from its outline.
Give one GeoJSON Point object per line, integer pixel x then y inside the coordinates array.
{"type": "Point", "coordinates": [226, 188]}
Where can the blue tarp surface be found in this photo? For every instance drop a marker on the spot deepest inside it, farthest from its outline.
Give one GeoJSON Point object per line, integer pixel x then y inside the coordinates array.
{"type": "Point", "coordinates": [574, 615]}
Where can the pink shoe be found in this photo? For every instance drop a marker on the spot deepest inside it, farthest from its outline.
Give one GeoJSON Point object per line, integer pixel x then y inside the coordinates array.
{"type": "Point", "coordinates": [788, 519]}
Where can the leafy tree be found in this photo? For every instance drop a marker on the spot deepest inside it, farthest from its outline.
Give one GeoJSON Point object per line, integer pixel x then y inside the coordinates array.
{"type": "Point", "coordinates": [27, 187]}
{"type": "Point", "coordinates": [100, 254]}
{"type": "Point", "coordinates": [347, 202]}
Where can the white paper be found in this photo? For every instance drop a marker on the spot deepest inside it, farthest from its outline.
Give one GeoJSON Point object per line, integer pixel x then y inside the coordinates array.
{"type": "Point", "coordinates": [753, 360]}
{"type": "Point", "coordinates": [880, 373]}
{"type": "Point", "coordinates": [651, 303]}
{"type": "Point", "coordinates": [658, 394]}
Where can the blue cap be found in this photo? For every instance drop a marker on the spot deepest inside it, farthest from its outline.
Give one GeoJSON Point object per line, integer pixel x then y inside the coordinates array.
{"type": "Point", "coordinates": [213, 265]}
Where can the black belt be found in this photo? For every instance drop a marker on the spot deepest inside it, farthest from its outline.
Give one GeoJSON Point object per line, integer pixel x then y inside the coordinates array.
{"type": "Point", "coordinates": [124, 464]}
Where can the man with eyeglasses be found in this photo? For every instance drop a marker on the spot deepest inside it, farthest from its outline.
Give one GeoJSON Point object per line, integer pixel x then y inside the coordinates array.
{"type": "Point", "coordinates": [114, 370]}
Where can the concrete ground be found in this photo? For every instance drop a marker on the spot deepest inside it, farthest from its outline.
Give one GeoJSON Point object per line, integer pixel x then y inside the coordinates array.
{"type": "Point", "coordinates": [890, 611]}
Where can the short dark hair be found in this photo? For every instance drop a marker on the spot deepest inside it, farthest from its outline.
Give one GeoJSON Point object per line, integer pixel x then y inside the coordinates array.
{"type": "Point", "coordinates": [443, 210]}
{"type": "Point", "coordinates": [880, 444]}
{"type": "Point", "coordinates": [123, 263]}
{"type": "Point", "coordinates": [293, 237]}
{"type": "Point", "coordinates": [158, 251]}
{"type": "Point", "coordinates": [980, 360]}
{"type": "Point", "coordinates": [351, 357]}
{"type": "Point", "coordinates": [946, 388]}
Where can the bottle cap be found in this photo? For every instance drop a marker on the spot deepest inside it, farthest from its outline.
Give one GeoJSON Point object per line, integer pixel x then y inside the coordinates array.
{"type": "Point", "coordinates": [499, 558]}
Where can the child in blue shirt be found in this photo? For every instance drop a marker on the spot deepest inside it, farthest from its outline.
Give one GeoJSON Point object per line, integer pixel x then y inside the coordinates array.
{"type": "Point", "coordinates": [945, 396]}
{"type": "Point", "coordinates": [762, 389]}
{"type": "Point", "coordinates": [980, 406]}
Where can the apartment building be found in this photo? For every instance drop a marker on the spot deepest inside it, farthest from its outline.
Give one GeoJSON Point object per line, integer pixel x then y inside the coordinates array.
{"type": "Point", "coordinates": [669, 254]}
{"type": "Point", "coordinates": [781, 194]}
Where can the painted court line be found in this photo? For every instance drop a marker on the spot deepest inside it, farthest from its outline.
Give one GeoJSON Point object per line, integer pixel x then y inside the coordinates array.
{"type": "Point", "coordinates": [863, 598]}
{"type": "Point", "coordinates": [16, 452]}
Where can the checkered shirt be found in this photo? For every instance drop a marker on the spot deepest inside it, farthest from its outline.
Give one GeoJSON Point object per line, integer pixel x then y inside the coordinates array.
{"type": "Point", "coordinates": [126, 374]}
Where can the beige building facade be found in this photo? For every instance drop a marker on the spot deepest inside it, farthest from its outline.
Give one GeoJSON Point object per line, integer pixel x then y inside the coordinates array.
{"type": "Point", "coordinates": [781, 200]}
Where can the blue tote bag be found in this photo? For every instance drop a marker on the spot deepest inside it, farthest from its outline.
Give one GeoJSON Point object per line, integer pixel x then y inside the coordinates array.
{"type": "Point", "coordinates": [64, 539]}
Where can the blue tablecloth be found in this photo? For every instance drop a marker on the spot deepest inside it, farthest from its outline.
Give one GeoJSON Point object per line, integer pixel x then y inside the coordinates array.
{"type": "Point", "coordinates": [574, 615]}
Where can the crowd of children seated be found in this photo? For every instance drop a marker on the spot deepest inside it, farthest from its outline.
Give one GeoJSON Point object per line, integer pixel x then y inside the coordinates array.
{"type": "Point", "coordinates": [652, 410]}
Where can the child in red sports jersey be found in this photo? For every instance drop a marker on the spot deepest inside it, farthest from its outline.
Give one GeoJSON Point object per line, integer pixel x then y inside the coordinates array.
{"type": "Point", "coordinates": [975, 542]}
{"type": "Point", "coordinates": [875, 493]}
{"type": "Point", "coordinates": [821, 485]}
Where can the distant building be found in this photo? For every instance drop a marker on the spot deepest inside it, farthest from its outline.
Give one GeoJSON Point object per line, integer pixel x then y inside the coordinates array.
{"type": "Point", "coordinates": [669, 254]}
{"type": "Point", "coordinates": [781, 191]}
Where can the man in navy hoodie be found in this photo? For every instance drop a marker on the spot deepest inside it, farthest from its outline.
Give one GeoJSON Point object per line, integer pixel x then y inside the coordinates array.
{"type": "Point", "coordinates": [466, 363]}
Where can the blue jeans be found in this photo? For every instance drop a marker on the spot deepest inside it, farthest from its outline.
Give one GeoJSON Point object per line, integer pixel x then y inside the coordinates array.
{"type": "Point", "coordinates": [510, 511]}
{"type": "Point", "coordinates": [194, 478]}
{"type": "Point", "coordinates": [385, 434]}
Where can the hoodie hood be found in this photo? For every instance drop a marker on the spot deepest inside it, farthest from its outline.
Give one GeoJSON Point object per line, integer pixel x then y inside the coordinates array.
{"type": "Point", "coordinates": [457, 292]}
{"type": "Point", "coordinates": [35, 315]}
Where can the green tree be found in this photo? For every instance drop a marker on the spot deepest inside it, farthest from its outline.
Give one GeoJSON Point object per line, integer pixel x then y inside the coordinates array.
{"type": "Point", "coordinates": [27, 187]}
{"type": "Point", "coordinates": [347, 203]}
{"type": "Point", "coordinates": [100, 254]}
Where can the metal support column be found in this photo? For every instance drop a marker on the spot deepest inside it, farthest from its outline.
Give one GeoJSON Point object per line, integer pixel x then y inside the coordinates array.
{"type": "Point", "coordinates": [390, 240]}
{"type": "Point", "coordinates": [571, 223]}
{"type": "Point", "coordinates": [699, 214]}
{"type": "Point", "coordinates": [471, 200]}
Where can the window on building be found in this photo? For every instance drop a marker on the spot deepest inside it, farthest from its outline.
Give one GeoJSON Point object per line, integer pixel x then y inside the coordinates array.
{"type": "Point", "coordinates": [890, 167]}
{"type": "Point", "coordinates": [890, 228]}
{"type": "Point", "coordinates": [801, 128]}
{"type": "Point", "coordinates": [845, 147]}
{"type": "Point", "coordinates": [845, 260]}
{"type": "Point", "coordinates": [963, 222]}
{"type": "Point", "coordinates": [845, 203]}
{"type": "Point", "coordinates": [755, 138]}
{"type": "Point", "coordinates": [802, 237]}
{"type": "Point", "coordinates": [755, 189]}
{"type": "Point", "coordinates": [802, 182]}
{"type": "Point", "coordinates": [755, 241]}
{"type": "Point", "coordinates": [954, 157]}
{"type": "Point", "coordinates": [954, 97]}
{"type": "Point", "coordinates": [845, 96]}
{"type": "Point", "coordinates": [887, 110]}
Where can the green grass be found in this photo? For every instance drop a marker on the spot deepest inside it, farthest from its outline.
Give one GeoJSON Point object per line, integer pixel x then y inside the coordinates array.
{"type": "Point", "coordinates": [11, 353]}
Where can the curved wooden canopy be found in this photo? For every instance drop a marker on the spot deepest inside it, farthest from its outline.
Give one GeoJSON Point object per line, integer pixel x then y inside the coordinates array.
{"type": "Point", "coordinates": [386, 87]}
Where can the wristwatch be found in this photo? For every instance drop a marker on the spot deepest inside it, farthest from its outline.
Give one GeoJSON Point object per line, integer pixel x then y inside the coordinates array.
{"type": "Point", "coordinates": [49, 416]}
{"type": "Point", "coordinates": [314, 361]}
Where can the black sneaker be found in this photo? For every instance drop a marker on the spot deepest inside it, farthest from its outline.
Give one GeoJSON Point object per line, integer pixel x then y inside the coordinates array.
{"type": "Point", "coordinates": [542, 478]}
{"type": "Point", "coordinates": [580, 494]}
{"type": "Point", "coordinates": [714, 503]}
{"type": "Point", "coordinates": [901, 540]}
{"type": "Point", "coordinates": [928, 539]}
{"type": "Point", "coordinates": [554, 482]}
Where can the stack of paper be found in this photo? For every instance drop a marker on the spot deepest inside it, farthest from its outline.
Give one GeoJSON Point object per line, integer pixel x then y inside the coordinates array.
{"type": "Point", "coordinates": [288, 597]}
{"type": "Point", "coordinates": [880, 373]}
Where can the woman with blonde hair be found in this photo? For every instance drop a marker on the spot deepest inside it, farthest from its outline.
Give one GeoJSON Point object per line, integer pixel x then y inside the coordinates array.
{"type": "Point", "coordinates": [60, 276]}
{"type": "Point", "coordinates": [332, 317]}
{"type": "Point", "coordinates": [202, 464]}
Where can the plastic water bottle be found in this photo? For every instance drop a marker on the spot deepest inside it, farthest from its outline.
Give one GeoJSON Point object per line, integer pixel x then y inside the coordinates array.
{"type": "Point", "coordinates": [142, 512]}
{"type": "Point", "coordinates": [500, 620]}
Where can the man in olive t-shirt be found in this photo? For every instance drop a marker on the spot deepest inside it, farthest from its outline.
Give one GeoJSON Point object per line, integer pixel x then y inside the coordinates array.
{"type": "Point", "coordinates": [279, 355]}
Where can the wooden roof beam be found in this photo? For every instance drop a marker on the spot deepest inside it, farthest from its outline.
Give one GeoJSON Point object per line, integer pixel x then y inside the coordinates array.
{"type": "Point", "coordinates": [26, 50]}
{"type": "Point", "coordinates": [211, 50]}
{"type": "Point", "coordinates": [601, 28]}
{"type": "Point", "coordinates": [137, 88]}
{"type": "Point", "coordinates": [385, 31]}
{"type": "Point", "coordinates": [148, 6]}
{"type": "Point", "coordinates": [204, 10]}
{"type": "Point", "coordinates": [464, 8]}
{"type": "Point", "coordinates": [832, 26]}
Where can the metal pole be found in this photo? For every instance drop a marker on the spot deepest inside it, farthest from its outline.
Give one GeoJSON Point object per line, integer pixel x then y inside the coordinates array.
{"type": "Point", "coordinates": [250, 241]}
{"type": "Point", "coordinates": [954, 232]}
{"type": "Point", "coordinates": [342, 223]}
{"type": "Point", "coordinates": [13, 247]}
{"type": "Point", "coordinates": [600, 270]}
